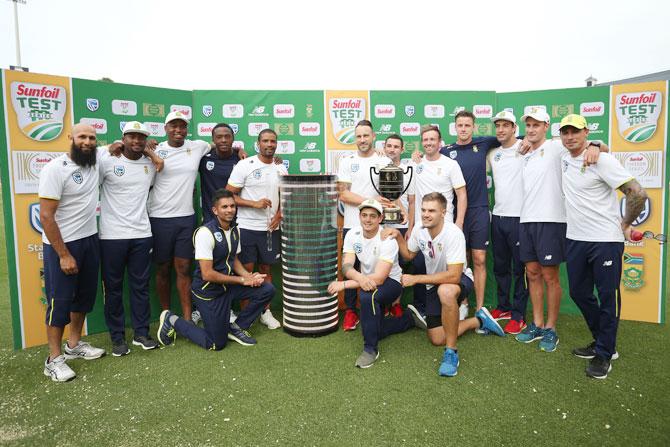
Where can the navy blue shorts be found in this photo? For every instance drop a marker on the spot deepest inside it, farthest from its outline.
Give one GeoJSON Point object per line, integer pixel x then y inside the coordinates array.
{"type": "Point", "coordinates": [476, 228]}
{"type": "Point", "coordinates": [542, 242]}
{"type": "Point", "coordinates": [254, 246]}
{"type": "Point", "coordinates": [433, 304]}
{"type": "Point", "coordinates": [172, 237]}
{"type": "Point", "coordinates": [71, 293]}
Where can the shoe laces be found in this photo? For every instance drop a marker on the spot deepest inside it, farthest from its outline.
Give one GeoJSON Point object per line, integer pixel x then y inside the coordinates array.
{"type": "Point", "coordinates": [449, 356]}
{"type": "Point", "coordinates": [550, 335]}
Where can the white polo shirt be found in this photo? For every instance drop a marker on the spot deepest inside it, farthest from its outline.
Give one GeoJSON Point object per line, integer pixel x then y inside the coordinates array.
{"type": "Point", "coordinates": [123, 196]}
{"type": "Point", "coordinates": [355, 170]}
{"type": "Point", "coordinates": [442, 175]}
{"type": "Point", "coordinates": [542, 191]}
{"type": "Point", "coordinates": [257, 180]}
{"type": "Point", "coordinates": [446, 249]}
{"type": "Point", "coordinates": [76, 189]}
{"type": "Point", "coordinates": [590, 198]}
{"type": "Point", "coordinates": [507, 171]}
{"type": "Point", "coordinates": [371, 251]}
{"type": "Point", "coordinates": [172, 194]}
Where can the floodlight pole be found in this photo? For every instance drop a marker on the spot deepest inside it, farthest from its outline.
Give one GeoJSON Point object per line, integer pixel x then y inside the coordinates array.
{"type": "Point", "coordinates": [16, 30]}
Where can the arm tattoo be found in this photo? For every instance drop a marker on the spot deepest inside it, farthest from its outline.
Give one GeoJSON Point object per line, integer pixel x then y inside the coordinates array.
{"type": "Point", "coordinates": [635, 198]}
{"type": "Point", "coordinates": [345, 268]}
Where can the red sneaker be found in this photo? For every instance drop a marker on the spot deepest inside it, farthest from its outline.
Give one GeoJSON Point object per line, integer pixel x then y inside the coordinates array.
{"type": "Point", "coordinates": [498, 314]}
{"type": "Point", "coordinates": [396, 310]}
{"type": "Point", "coordinates": [515, 327]}
{"type": "Point", "coordinates": [350, 320]}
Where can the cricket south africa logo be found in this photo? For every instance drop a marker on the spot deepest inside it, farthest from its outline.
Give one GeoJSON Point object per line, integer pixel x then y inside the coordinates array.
{"type": "Point", "coordinates": [40, 109]}
{"type": "Point", "coordinates": [345, 113]}
{"type": "Point", "coordinates": [638, 114]}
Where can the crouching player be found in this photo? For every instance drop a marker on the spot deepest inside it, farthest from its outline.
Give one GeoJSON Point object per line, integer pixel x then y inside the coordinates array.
{"type": "Point", "coordinates": [218, 279]}
{"type": "Point", "coordinates": [379, 280]}
{"type": "Point", "coordinates": [448, 280]}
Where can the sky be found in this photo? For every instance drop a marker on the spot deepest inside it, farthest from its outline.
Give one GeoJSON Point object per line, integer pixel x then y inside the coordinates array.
{"type": "Point", "coordinates": [316, 45]}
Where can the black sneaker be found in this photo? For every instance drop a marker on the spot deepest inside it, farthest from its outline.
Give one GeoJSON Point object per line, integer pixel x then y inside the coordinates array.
{"type": "Point", "coordinates": [588, 352]}
{"type": "Point", "coordinates": [146, 342]}
{"type": "Point", "coordinates": [598, 368]}
{"type": "Point", "coordinates": [120, 348]}
{"type": "Point", "coordinates": [241, 336]}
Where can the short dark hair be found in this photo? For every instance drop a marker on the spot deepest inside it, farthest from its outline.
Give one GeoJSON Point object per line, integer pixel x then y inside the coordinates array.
{"type": "Point", "coordinates": [224, 125]}
{"type": "Point", "coordinates": [465, 114]}
{"type": "Point", "coordinates": [364, 123]}
{"type": "Point", "coordinates": [395, 136]}
{"type": "Point", "coordinates": [435, 197]}
{"type": "Point", "coordinates": [222, 194]}
{"type": "Point", "coordinates": [266, 131]}
{"type": "Point", "coordinates": [430, 128]}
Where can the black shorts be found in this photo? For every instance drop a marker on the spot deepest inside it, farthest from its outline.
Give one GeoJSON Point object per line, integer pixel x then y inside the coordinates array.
{"type": "Point", "coordinates": [434, 306]}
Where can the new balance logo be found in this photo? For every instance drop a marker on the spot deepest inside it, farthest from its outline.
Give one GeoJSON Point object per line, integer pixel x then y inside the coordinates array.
{"type": "Point", "coordinates": [548, 257]}
{"type": "Point", "coordinates": [607, 264]}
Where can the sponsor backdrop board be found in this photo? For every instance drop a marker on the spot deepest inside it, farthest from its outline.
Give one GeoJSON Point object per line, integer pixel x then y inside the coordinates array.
{"type": "Point", "coordinates": [38, 118]}
{"type": "Point", "coordinates": [404, 113]}
{"type": "Point", "coordinates": [632, 119]}
{"type": "Point", "coordinates": [314, 128]}
{"type": "Point", "coordinates": [296, 117]}
{"type": "Point", "coordinates": [39, 112]}
{"type": "Point", "coordinates": [639, 139]}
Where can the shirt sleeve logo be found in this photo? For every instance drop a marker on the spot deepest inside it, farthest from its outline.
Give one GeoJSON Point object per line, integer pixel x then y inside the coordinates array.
{"type": "Point", "coordinates": [453, 154]}
{"type": "Point", "coordinates": [218, 236]}
{"type": "Point", "coordinates": [209, 165]}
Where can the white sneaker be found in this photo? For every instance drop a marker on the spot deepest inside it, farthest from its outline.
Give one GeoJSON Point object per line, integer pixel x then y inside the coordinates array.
{"type": "Point", "coordinates": [58, 370]}
{"type": "Point", "coordinates": [233, 317]}
{"type": "Point", "coordinates": [83, 350]}
{"type": "Point", "coordinates": [269, 320]}
{"type": "Point", "coordinates": [195, 317]}
{"type": "Point", "coordinates": [463, 311]}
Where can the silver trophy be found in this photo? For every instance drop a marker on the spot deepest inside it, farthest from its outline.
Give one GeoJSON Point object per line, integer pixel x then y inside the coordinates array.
{"type": "Point", "coordinates": [391, 187]}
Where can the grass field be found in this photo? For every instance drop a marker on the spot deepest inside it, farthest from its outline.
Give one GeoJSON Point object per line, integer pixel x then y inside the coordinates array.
{"type": "Point", "coordinates": [300, 391]}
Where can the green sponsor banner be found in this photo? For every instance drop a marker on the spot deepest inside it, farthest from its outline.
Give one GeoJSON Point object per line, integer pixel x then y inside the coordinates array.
{"type": "Point", "coordinates": [296, 117]}
{"type": "Point", "coordinates": [591, 102]}
{"type": "Point", "coordinates": [403, 113]}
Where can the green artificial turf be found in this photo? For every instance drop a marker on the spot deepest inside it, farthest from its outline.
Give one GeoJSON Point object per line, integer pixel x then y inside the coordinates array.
{"type": "Point", "coordinates": [306, 391]}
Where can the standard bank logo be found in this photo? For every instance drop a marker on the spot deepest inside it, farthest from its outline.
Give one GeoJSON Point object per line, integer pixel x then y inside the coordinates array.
{"type": "Point", "coordinates": [40, 109]}
{"type": "Point", "coordinates": [34, 217]}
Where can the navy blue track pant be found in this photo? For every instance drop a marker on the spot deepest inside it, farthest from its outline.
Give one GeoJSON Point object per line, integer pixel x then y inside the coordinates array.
{"type": "Point", "coordinates": [597, 264]}
{"type": "Point", "coordinates": [374, 325]}
{"type": "Point", "coordinates": [133, 255]}
{"type": "Point", "coordinates": [215, 313]}
{"type": "Point", "coordinates": [507, 265]}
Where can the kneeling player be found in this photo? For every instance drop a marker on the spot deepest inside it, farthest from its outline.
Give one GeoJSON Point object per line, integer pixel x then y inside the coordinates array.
{"type": "Point", "coordinates": [448, 280]}
{"type": "Point", "coordinates": [218, 279]}
{"type": "Point", "coordinates": [379, 280]}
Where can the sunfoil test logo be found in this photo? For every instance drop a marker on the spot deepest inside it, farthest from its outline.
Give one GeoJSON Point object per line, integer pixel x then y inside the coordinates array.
{"type": "Point", "coordinates": [638, 114]}
{"type": "Point", "coordinates": [40, 109]}
{"type": "Point", "coordinates": [345, 113]}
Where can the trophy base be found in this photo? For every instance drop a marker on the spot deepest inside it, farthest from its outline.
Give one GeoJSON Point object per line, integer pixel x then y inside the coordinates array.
{"type": "Point", "coordinates": [392, 216]}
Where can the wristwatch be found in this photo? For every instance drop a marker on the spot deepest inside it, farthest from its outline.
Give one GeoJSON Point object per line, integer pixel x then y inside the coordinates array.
{"type": "Point", "coordinates": [595, 143]}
